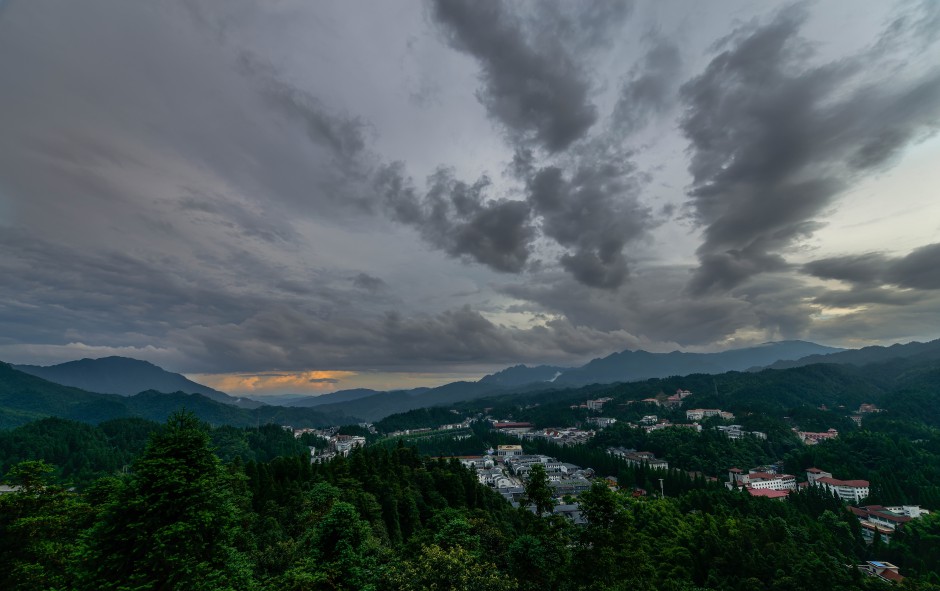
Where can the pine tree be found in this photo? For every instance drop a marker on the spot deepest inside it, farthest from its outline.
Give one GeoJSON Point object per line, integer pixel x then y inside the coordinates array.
{"type": "Point", "coordinates": [172, 525]}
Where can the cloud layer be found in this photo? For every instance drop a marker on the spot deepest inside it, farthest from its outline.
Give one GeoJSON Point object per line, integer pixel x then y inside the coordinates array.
{"type": "Point", "coordinates": [241, 187]}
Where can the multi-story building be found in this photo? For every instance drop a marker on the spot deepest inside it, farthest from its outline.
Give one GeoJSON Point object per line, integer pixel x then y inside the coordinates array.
{"type": "Point", "coordinates": [760, 479]}
{"type": "Point", "coordinates": [810, 438]}
{"type": "Point", "coordinates": [885, 521]}
{"type": "Point", "coordinates": [597, 404]}
{"type": "Point", "coordinates": [851, 491]}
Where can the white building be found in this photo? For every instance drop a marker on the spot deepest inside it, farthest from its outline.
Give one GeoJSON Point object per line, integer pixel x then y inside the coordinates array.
{"type": "Point", "coordinates": [508, 451]}
{"type": "Point", "coordinates": [343, 444]}
{"type": "Point", "coordinates": [760, 480]}
{"type": "Point", "coordinates": [852, 491]}
{"type": "Point", "coordinates": [598, 404]}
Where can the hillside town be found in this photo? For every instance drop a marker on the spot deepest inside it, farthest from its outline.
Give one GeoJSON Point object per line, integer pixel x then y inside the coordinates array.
{"type": "Point", "coordinates": [506, 468]}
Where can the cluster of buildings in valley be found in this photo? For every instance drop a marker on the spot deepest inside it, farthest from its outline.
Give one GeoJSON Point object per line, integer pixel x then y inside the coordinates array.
{"type": "Point", "coordinates": [337, 444]}
{"type": "Point", "coordinates": [462, 426]}
{"type": "Point", "coordinates": [558, 435]}
{"type": "Point", "coordinates": [507, 469]}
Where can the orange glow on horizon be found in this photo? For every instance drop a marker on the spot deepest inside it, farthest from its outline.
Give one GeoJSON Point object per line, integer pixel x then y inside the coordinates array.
{"type": "Point", "coordinates": [304, 381]}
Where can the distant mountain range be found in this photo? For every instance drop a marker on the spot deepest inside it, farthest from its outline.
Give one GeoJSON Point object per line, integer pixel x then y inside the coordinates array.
{"type": "Point", "coordinates": [25, 397]}
{"type": "Point", "coordinates": [914, 352]}
{"type": "Point", "coordinates": [126, 377]}
{"type": "Point", "coordinates": [626, 366]}
{"type": "Point", "coordinates": [122, 376]}
{"type": "Point", "coordinates": [631, 366]}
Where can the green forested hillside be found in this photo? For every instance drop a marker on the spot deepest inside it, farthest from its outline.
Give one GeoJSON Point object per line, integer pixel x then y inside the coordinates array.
{"type": "Point", "coordinates": [24, 398]}
{"type": "Point", "coordinates": [389, 519]}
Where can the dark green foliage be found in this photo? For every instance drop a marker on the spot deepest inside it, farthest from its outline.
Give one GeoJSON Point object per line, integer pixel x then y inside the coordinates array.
{"type": "Point", "coordinates": [80, 452]}
{"type": "Point", "coordinates": [538, 493]}
{"type": "Point", "coordinates": [39, 528]}
{"type": "Point", "coordinates": [418, 418]}
{"type": "Point", "coordinates": [387, 517]}
{"type": "Point", "coordinates": [171, 525]}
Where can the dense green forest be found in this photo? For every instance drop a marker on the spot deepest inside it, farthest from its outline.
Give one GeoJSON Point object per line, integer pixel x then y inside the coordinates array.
{"type": "Point", "coordinates": [390, 518]}
{"type": "Point", "coordinates": [128, 503]}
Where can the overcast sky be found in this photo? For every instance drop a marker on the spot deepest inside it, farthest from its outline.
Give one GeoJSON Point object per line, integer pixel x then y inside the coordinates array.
{"type": "Point", "coordinates": [300, 196]}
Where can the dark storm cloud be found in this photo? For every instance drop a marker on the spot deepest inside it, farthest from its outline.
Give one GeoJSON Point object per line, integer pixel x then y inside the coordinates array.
{"type": "Point", "coordinates": [531, 84]}
{"type": "Point", "coordinates": [200, 321]}
{"type": "Point", "coordinates": [458, 218]}
{"type": "Point", "coordinates": [775, 139]}
{"type": "Point", "coordinates": [369, 283]}
{"type": "Point", "coordinates": [651, 88]}
{"type": "Point", "coordinates": [868, 268]}
{"type": "Point", "coordinates": [918, 270]}
{"type": "Point", "coordinates": [594, 212]}
{"type": "Point", "coordinates": [323, 381]}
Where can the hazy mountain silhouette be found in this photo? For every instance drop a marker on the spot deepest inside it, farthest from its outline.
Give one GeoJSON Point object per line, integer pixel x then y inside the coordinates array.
{"type": "Point", "coordinates": [125, 376]}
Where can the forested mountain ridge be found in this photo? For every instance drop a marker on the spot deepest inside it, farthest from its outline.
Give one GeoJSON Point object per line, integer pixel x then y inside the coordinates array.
{"type": "Point", "coordinates": [24, 398]}
{"type": "Point", "coordinates": [631, 366]}
{"type": "Point", "coordinates": [126, 376]}
{"type": "Point", "coordinates": [625, 366]}
{"type": "Point", "coordinates": [914, 351]}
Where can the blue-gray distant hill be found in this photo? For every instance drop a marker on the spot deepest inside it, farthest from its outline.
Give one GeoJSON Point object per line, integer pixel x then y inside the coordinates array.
{"type": "Point", "coordinates": [631, 366]}
{"type": "Point", "coordinates": [914, 352]}
{"type": "Point", "coordinates": [626, 366]}
{"type": "Point", "coordinates": [125, 376]}
{"type": "Point", "coordinates": [520, 375]}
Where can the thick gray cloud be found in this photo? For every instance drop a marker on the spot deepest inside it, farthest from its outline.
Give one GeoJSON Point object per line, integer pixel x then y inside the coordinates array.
{"type": "Point", "coordinates": [239, 186]}
{"type": "Point", "coordinates": [369, 283]}
{"type": "Point", "coordinates": [917, 270]}
{"type": "Point", "coordinates": [457, 217]}
{"type": "Point", "coordinates": [531, 84]}
{"type": "Point", "coordinates": [651, 89]}
{"type": "Point", "coordinates": [775, 138]}
{"type": "Point", "coordinates": [594, 212]}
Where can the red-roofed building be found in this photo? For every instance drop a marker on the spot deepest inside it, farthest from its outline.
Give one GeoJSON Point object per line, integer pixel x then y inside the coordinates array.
{"type": "Point", "coordinates": [513, 425]}
{"type": "Point", "coordinates": [759, 480]}
{"type": "Point", "coordinates": [768, 493]}
{"type": "Point", "coordinates": [852, 491]}
{"type": "Point", "coordinates": [885, 521]}
{"type": "Point", "coordinates": [881, 569]}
